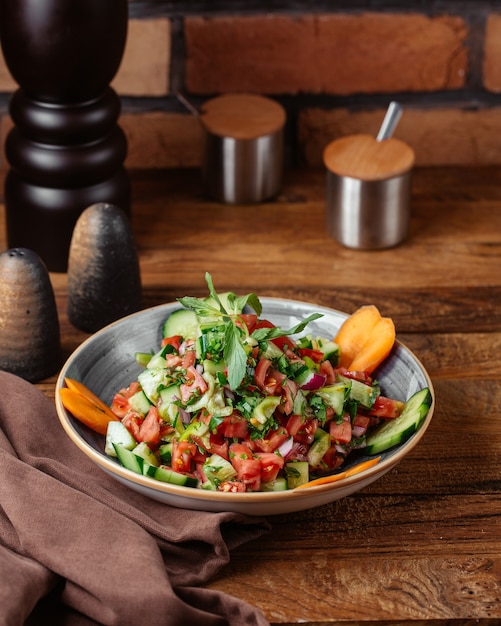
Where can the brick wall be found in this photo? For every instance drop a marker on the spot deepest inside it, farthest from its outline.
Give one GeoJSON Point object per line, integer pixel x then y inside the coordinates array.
{"type": "Point", "coordinates": [334, 66]}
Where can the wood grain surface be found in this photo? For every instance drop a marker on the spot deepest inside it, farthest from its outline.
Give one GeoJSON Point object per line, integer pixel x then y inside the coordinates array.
{"type": "Point", "coordinates": [423, 544]}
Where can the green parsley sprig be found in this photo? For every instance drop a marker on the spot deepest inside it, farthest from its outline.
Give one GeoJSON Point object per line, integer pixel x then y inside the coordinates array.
{"type": "Point", "coordinates": [234, 353]}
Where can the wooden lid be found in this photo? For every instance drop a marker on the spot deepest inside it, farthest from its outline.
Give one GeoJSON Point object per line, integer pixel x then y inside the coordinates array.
{"type": "Point", "coordinates": [365, 158]}
{"type": "Point", "coordinates": [242, 116]}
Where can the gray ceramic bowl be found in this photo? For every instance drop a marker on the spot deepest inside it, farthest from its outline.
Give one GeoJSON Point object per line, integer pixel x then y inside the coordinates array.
{"type": "Point", "coordinates": [105, 363]}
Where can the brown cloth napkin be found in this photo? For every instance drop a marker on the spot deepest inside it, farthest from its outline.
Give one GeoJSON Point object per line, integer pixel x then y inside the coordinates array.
{"type": "Point", "coordinates": [78, 548]}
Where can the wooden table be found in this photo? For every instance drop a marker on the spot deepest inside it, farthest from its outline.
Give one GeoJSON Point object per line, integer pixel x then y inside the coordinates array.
{"type": "Point", "coordinates": [423, 544]}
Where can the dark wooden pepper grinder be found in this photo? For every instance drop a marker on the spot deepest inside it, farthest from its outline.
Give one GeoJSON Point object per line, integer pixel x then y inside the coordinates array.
{"type": "Point", "coordinates": [66, 150]}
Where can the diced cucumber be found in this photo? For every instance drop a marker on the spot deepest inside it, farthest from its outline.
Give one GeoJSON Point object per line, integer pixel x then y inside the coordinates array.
{"type": "Point", "coordinates": [165, 453]}
{"type": "Point", "coordinates": [143, 358]}
{"type": "Point", "coordinates": [139, 402]}
{"type": "Point", "coordinates": [297, 473]}
{"type": "Point", "coordinates": [151, 381]}
{"type": "Point", "coordinates": [116, 433]}
{"type": "Point", "coordinates": [395, 431]}
{"type": "Point", "coordinates": [319, 447]}
{"type": "Point", "coordinates": [263, 411]}
{"type": "Point", "coordinates": [182, 322]}
{"type": "Point", "coordinates": [194, 429]}
{"type": "Point", "coordinates": [335, 396]}
{"type": "Point", "coordinates": [213, 367]}
{"type": "Point", "coordinates": [360, 392]}
{"type": "Point", "coordinates": [167, 475]}
{"type": "Point", "coordinates": [145, 452]}
{"type": "Point", "coordinates": [128, 459]}
{"type": "Point", "coordinates": [330, 350]}
{"type": "Point", "coordinates": [157, 361]}
{"type": "Point", "coordinates": [218, 469]}
{"type": "Point", "coordinates": [279, 484]}
{"type": "Point", "coordinates": [271, 351]}
{"type": "Point", "coordinates": [167, 397]}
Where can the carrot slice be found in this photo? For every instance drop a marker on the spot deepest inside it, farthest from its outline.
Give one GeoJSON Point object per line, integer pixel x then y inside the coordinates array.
{"type": "Point", "coordinates": [85, 391]}
{"type": "Point", "coordinates": [325, 480]}
{"type": "Point", "coordinates": [377, 347]}
{"type": "Point", "coordinates": [85, 410]}
{"type": "Point", "coordinates": [354, 332]}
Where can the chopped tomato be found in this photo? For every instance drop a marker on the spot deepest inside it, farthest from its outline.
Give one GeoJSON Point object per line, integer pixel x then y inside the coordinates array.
{"type": "Point", "coordinates": [189, 358]}
{"type": "Point", "coordinates": [219, 445]}
{"type": "Point", "coordinates": [331, 460]}
{"type": "Point", "coordinates": [273, 440]}
{"type": "Point", "coordinates": [194, 382]}
{"type": "Point", "coordinates": [301, 429]}
{"type": "Point", "coordinates": [120, 403]}
{"type": "Point", "coordinates": [271, 464]}
{"type": "Point", "coordinates": [173, 360]}
{"type": "Point", "coordinates": [149, 430]}
{"type": "Point", "coordinates": [327, 370]}
{"type": "Point", "coordinates": [247, 466]}
{"type": "Point", "coordinates": [289, 392]}
{"type": "Point", "coordinates": [232, 486]}
{"type": "Point", "coordinates": [341, 433]}
{"type": "Point", "coordinates": [268, 379]}
{"type": "Point", "coordinates": [317, 356]}
{"type": "Point", "coordinates": [361, 423]}
{"type": "Point", "coordinates": [363, 377]}
{"type": "Point", "coordinates": [183, 453]}
{"type": "Point", "coordinates": [132, 422]}
{"type": "Point", "coordinates": [250, 320]}
{"type": "Point", "coordinates": [260, 372]}
{"type": "Point", "coordinates": [386, 407]}
{"type": "Point", "coordinates": [175, 341]}
{"type": "Point", "coordinates": [233, 426]}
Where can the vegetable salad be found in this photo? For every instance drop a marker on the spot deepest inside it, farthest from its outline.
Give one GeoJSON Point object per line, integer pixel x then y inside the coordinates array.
{"type": "Point", "coordinates": [231, 402]}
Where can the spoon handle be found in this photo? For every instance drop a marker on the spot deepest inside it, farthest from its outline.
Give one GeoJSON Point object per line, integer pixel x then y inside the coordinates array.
{"type": "Point", "coordinates": [390, 121]}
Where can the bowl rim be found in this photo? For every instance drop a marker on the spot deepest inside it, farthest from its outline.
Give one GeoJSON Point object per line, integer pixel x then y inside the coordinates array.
{"type": "Point", "coordinates": [391, 458]}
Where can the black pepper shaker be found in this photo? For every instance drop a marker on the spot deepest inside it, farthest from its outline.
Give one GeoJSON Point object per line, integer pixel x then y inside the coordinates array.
{"type": "Point", "coordinates": [29, 327]}
{"type": "Point", "coordinates": [66, 150]}
{"type": "Point", "coordinates": [104, 280]}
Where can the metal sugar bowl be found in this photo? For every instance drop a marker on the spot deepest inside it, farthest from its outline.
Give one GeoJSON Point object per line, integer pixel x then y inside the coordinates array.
{"type": "Point", "coordinates": [243, 148]}
{"type": "Point", "coordinates": [369, 189]}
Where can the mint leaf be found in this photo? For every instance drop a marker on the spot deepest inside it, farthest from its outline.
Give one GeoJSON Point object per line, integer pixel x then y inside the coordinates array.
{"type": "Point", "coordinates": [234, 356]}
{"type": "Point", "coordinates": [262, 334]}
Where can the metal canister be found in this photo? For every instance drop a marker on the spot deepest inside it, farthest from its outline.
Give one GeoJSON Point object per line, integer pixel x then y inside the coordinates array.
{"type": "Point", "coordinates": [243, 148]}
{"type": "Point", "coordinates": [368, 191]}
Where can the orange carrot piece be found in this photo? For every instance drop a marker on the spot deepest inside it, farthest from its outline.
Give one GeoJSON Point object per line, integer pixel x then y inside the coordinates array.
{"type": "Point", "coordinates": [85, 391]}
{"type": "Point", "coordinates": [85, 410]}
{"type": "Point", "coordinates": [325, 480]}
{"type": "Point", "coordinates": [376, 348]}
{"type": "Point", "coordinates": [354, 332]}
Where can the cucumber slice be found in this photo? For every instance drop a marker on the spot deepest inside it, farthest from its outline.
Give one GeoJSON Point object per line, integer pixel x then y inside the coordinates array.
{"type": "Point", "coordinates": [128, 459]}
{"type": "Point", "coordinates": [297, 473]}
{"type": "Point", "coordinates": [145, 452]}
{"type": "Point", "coordinates": [396, 431]}
{"type": "Point", "coordinates": [117, 434]}
{"type": "Point", "coordinates": [182, 322]}
{"type": "Point", "coordinates": [139, 402]}
{"type": "Point", "coordinates": [167, 475]}
{"type": "Point", "coordinates": [279, 484]}
{"type": "Point", "coordinates": [318, 448]}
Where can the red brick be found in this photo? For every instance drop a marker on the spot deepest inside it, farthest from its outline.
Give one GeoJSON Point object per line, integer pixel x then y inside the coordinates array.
{"type": "Point", "coordinates": [492, 54]}
{"type": "Point", "coordinates": [257, 54]}
{"type": "Point", "coordinates": [334, 54]}
{"type": "Point", "coordinates": [144, 70]}
{"type": "Point", "coordinates": [162, 140]}
{"type": "Point", "coordinates": [438, 136]}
